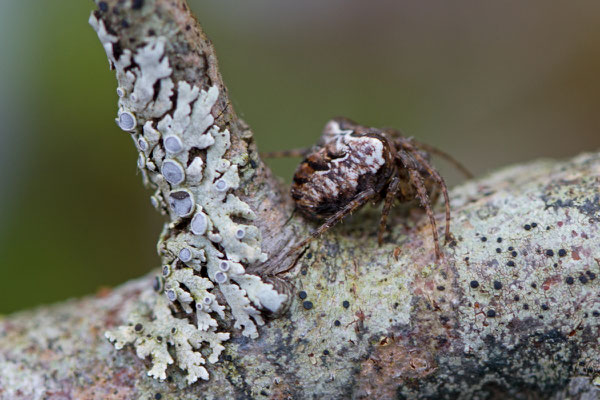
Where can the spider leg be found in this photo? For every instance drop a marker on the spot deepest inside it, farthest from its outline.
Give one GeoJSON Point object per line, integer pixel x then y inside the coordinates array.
{"type": "Point", "coordinates": [436, 176]}
{"type": "Point", "coordinates": [417, 181]}
{"type": "Point", "coordinates": [302, 152]}
{"type": "Point", "coordinates": [360, 200]}
{"type": "Point", "coordinates": [434, 195]}
{"type": "Point", "coordinates": [392, 191]}
{"type": "Point", "coordinates": [446, 156]}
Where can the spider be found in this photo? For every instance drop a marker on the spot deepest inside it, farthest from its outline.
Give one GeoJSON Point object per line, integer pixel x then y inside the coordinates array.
{"type": "Point", "coordinates": [353, 165]}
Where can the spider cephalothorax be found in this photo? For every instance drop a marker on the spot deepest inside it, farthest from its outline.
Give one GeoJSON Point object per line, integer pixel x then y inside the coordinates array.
{"type": "Point", "coordinates": [354, 165]}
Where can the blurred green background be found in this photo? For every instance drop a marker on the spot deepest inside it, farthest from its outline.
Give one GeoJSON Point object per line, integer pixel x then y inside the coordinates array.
{"type": "Point", "coordinates": [492, 83]}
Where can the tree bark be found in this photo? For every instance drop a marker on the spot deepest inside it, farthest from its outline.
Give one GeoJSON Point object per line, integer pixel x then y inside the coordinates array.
{"type": "Point", "coordinates": [512, 310]}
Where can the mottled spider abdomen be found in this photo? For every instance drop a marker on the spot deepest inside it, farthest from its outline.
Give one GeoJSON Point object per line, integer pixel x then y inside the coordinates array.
{"type": "Point", "coordinates": [347, 163]}
{"type": "Point", "coordinates": [353, 165]}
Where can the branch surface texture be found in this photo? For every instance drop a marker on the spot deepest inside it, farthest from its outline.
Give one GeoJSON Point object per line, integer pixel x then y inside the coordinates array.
{"type": "Point", "coordinates": [512, 310]}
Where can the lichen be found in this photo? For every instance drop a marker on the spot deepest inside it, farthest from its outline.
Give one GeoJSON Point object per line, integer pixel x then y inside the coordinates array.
{"type": "Point", "coordinates": [209, 240]}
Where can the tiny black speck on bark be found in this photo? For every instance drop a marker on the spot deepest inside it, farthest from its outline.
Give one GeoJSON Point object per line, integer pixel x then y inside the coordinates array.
{"type": "Point", "coordinates": [137, 4]}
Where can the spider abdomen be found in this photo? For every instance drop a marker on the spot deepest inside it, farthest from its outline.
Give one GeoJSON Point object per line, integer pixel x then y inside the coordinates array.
{"type": "Point", "coordinates": [334, 174]}
{"type": "Point", "coordinates": [354, 165]}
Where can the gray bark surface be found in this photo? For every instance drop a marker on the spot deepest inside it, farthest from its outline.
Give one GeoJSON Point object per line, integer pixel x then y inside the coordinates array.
{"type": "Point", "coordinates": [512, 310]}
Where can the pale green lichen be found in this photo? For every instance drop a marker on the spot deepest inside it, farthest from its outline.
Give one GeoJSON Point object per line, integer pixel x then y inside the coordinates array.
{"type": "Point", "coordinates": [154, 336]}
{"type": "Point", "coordinates": [182, 155]}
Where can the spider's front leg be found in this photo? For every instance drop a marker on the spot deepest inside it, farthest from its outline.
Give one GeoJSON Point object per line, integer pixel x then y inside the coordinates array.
{"type": "Point", "coordinates": [361, 199]}
{"type": "Point", "coordinates": [417, 181]}
{"type": "Point", "coordinates": [301, 153]}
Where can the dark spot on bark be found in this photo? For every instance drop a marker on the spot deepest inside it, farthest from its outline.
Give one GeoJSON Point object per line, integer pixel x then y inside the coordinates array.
{"type": "Point", "coordinates": [137, 4]}
{"type": "Point", "coordinates": [441, 287]}
{"type": "Point", "coordinates": [491, 313]}
{"type": "Point", "coordinates": [325, 352]}
{"type": "Point", "coordinates": [474, 284]}
{"type": "Point", "coordinates": [545, 307]}
{"type": "Point", "coordinates": [596, 314]}
{"type": "Point", "coordinates": [499, 240]}
{"type": "Point", "coordinates": [307, 305]}
{"type": "Point", "coordinates": [103, 6]}
{"type": "Point", "coordinates": [534, 285]}
{"type": "Point", "coordinates": [158, 396]}
{"type": "Point", "coordinates": [510, 263]}
{"type": "Point", "coordinates": [302, 294]}
{"type": "Point", "coordinates": [498, 250]}
{"type": "Point", "coordinates": [514, 253]}
{"type": "Point", "coordinates": [138, 327]}
{"type": "Point", "coordinates": [337, 322]}
{"type": "Point", "coordinates": [570, 280]}
{"type": "Point", "coordinates": [484, 239]}
{"type": "Point", "coordinates": [549, 252]}
{"type": "Point", "coordinates": [583, 279]}
{"type": "Point", "coordinates": [526, 306]}
{"type": "Point", "coordinates": [346, 304]}
{"type": "Point", "coordinates": [562, 252]}
{"type": "Point", "coordinates": [497, 285]}
{"type": "Point", "coordinates": [527, 227]}
{"type": "Point", "coordinates": [590, 275]}
{"type": "Point", "coordinates": [516, 298]}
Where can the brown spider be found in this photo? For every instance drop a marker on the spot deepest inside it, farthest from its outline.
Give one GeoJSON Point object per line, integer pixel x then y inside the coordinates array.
{"type": "Point", "coordinates": [353, 165]}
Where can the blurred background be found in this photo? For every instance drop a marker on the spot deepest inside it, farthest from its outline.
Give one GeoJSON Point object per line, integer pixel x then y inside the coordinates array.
{"type": "Point", "coordinates": [492, 83]}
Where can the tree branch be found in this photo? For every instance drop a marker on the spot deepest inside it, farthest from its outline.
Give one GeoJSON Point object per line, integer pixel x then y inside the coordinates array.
{"type": "Point", "coordinates": [513, 310]}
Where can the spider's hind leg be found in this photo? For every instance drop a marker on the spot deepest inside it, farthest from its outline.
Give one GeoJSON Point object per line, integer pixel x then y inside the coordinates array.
{"type": "Point", "coordinates": [392, 192]}
{"type": "Point", "coordinates": [436, 177]}
{"type": "Point", "coordinates": [417, 181]}
{"type": "Point", "coordinates": [434, 150]}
